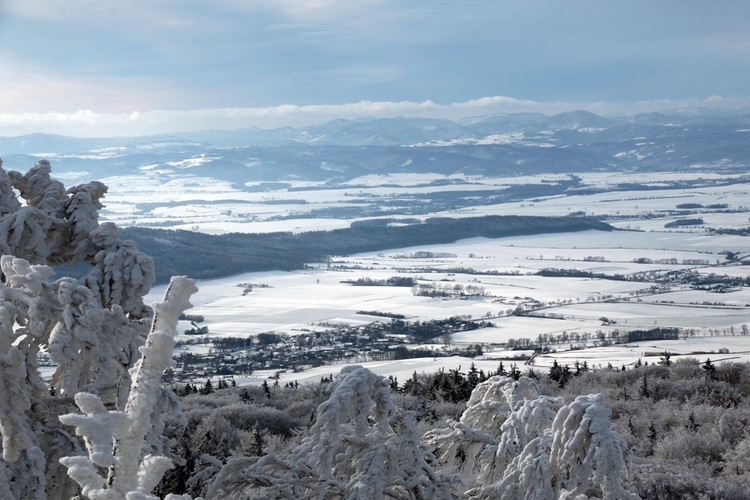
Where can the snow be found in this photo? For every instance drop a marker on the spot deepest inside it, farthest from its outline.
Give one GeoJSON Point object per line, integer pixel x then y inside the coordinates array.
{"type": "Point", "coordinates": [299, 301]}
{"type": "Point", "coordinates": [402, 370]}
{"type": "Point", "coordinates": [194, 194]}
{"type": "Point", "coordinates": [115, 439]}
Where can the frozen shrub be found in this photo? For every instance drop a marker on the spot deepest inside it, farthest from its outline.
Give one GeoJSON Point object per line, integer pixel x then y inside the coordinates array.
{"type": "Point", "coordinates": [360, 447]}
{"type": "Point", "coordinates": [519, 444]}
{"type": "Point", "coordinates": [248, 417]}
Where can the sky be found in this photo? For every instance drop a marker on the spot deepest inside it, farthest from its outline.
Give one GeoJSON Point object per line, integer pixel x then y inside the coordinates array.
{"type": "Point", "coordinates": [137, 67]}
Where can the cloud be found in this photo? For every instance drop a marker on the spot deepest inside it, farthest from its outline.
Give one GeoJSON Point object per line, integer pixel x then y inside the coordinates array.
{"type": "Point", "coordinates": [87, 123]}
{"type": "Point", "coordinates": [176, 12]}
{"type": "Point", "coordinates": [230, 63]}
{"type": "Point", "coordinates": [27, 88]}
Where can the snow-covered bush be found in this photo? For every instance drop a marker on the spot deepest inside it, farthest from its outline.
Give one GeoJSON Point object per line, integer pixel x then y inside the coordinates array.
{"type": "Point", "coordinates": [586, 453]}
{"type": "Point", "coordinates": [513, 443]}
{"type": "Point", "coordinates": [360, 447]}
{"type": "Point", "coordinates": [523, 426]}
{"type": "Point", "coordinates": [467, 444]}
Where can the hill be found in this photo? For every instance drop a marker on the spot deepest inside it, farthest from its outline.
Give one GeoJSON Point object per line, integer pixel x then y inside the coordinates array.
{"type": "Point", "coordinates": [507, 144]}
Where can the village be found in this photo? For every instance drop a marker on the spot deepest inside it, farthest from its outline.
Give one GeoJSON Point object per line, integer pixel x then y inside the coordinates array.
{"type": "Point", "coordinates": [201, 354]}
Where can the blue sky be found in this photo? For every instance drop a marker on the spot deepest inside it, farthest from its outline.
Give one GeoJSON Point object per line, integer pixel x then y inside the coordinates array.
{"type": "Point", "coordinates": [101, 67]}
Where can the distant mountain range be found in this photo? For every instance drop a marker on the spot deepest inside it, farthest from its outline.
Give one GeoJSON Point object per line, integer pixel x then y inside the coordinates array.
{"type": "Point", "coordinates": [502, 144]}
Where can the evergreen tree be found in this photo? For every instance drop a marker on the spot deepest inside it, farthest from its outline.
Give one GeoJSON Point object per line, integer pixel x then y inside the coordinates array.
{"type": "Point", "coordinates": [245, 396]}
{"type": "Point", "coordinates": [256, 447]}
{"type": "Point", "coordinates": [207, 387]}
{"type": "Point", "coordinates": [473, 376]}
{"type": "Point", "coordinates": [555, 371]}
{"type": "Point", "coordinates": [266, 389]}
{"type": "Point", "coordinates": [666, 359]}
{"type": "Point", "coordinates": [501, 370]}
{"type": "Point", "coordinates": [412, 386]}
{"type": "Point", "coordinates": [710, 369]}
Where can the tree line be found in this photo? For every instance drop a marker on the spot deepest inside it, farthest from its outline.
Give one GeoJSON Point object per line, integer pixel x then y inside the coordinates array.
{"type": "Point", "coordinates": [203, 256]}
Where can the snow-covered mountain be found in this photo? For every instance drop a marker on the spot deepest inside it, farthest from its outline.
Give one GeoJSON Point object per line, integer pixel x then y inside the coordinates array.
{"type": "Point", "coordinates": [503, 144]}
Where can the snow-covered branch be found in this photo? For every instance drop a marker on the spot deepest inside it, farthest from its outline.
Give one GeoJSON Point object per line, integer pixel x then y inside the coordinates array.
{"type": "Point", "coordinates": [115, 439]}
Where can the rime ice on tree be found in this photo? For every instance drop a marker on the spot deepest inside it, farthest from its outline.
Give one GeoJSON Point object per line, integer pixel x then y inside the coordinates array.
{"type": "Point", "coordinates": [115, 439]}
{"type": "Point", "coordinates": [92, 327]}
{"type": "Point", "coordinates": [468, 443]}
{"type": "Point", "coordinates": [360, 447]}
{"type": "Point", "coordinates": [518, 444]}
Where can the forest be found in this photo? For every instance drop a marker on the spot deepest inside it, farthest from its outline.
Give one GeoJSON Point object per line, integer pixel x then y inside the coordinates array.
{"type": "Point", "coordinates": [203, 256]}
{"type": "Point", "coordinates": [670, 430]}
{"type": "Point", "coordinates": [102, 426]}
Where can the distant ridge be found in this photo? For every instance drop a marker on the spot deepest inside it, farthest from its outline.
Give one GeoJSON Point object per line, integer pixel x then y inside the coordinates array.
{"type": "Point", "coordinates": [379, 131]}
{"type": "Point", "coordinates": [338, 151]}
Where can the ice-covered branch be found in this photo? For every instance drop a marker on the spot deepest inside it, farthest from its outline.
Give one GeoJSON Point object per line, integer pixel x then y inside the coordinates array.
{"type": "Point", "coordinates": [115, 439]}
{"type": "Point", "coordinates": [586, 453]}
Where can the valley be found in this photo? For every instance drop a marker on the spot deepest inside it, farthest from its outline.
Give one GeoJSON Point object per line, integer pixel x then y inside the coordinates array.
{"type": "Point", "coordinates": [676, 259]}
{"type": "Point", "coordinates": [642, 277]}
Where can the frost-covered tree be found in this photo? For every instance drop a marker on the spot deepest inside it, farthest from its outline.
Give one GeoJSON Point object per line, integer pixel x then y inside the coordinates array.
{"type": "Point", "coordinates": [514, 443]}
{"type": "Point", "coordinates": [361, 446]}
{"type": "Point", "coordinates": [586, 454]}
{"type": "Point", "coordinates": [115, 439]}
{"type": "Point", "coordinates": [577, 457]}
{"type": "Point", "coordinates": [522, 426]}
{"type": "Point", "coordinates": [91, 327]}
{"type": "Point", "coordinates": [469, 442]}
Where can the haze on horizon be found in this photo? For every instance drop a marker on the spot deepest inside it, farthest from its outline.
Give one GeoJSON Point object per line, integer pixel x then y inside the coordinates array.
{"type": "Point", "coordinates": [104, 67]}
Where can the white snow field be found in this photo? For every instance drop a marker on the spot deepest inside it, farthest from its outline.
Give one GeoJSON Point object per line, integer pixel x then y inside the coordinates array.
{"type": "Point", "coordinates": [185, 201]}
{"type": "Point", "coordinates": [503, 269]}
{"type": "Point", "coordinates": [292, 302]}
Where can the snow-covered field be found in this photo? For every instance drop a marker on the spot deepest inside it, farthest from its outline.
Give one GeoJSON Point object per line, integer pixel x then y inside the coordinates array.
{"type": "Point", "coordinates": [292, 302]}
{"type": "Point", "coordinates": [215, 207]}
{"type": "Point", "coordinates": [401, 370]}
{"type": "Point", "coordinates": [504, 268]}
